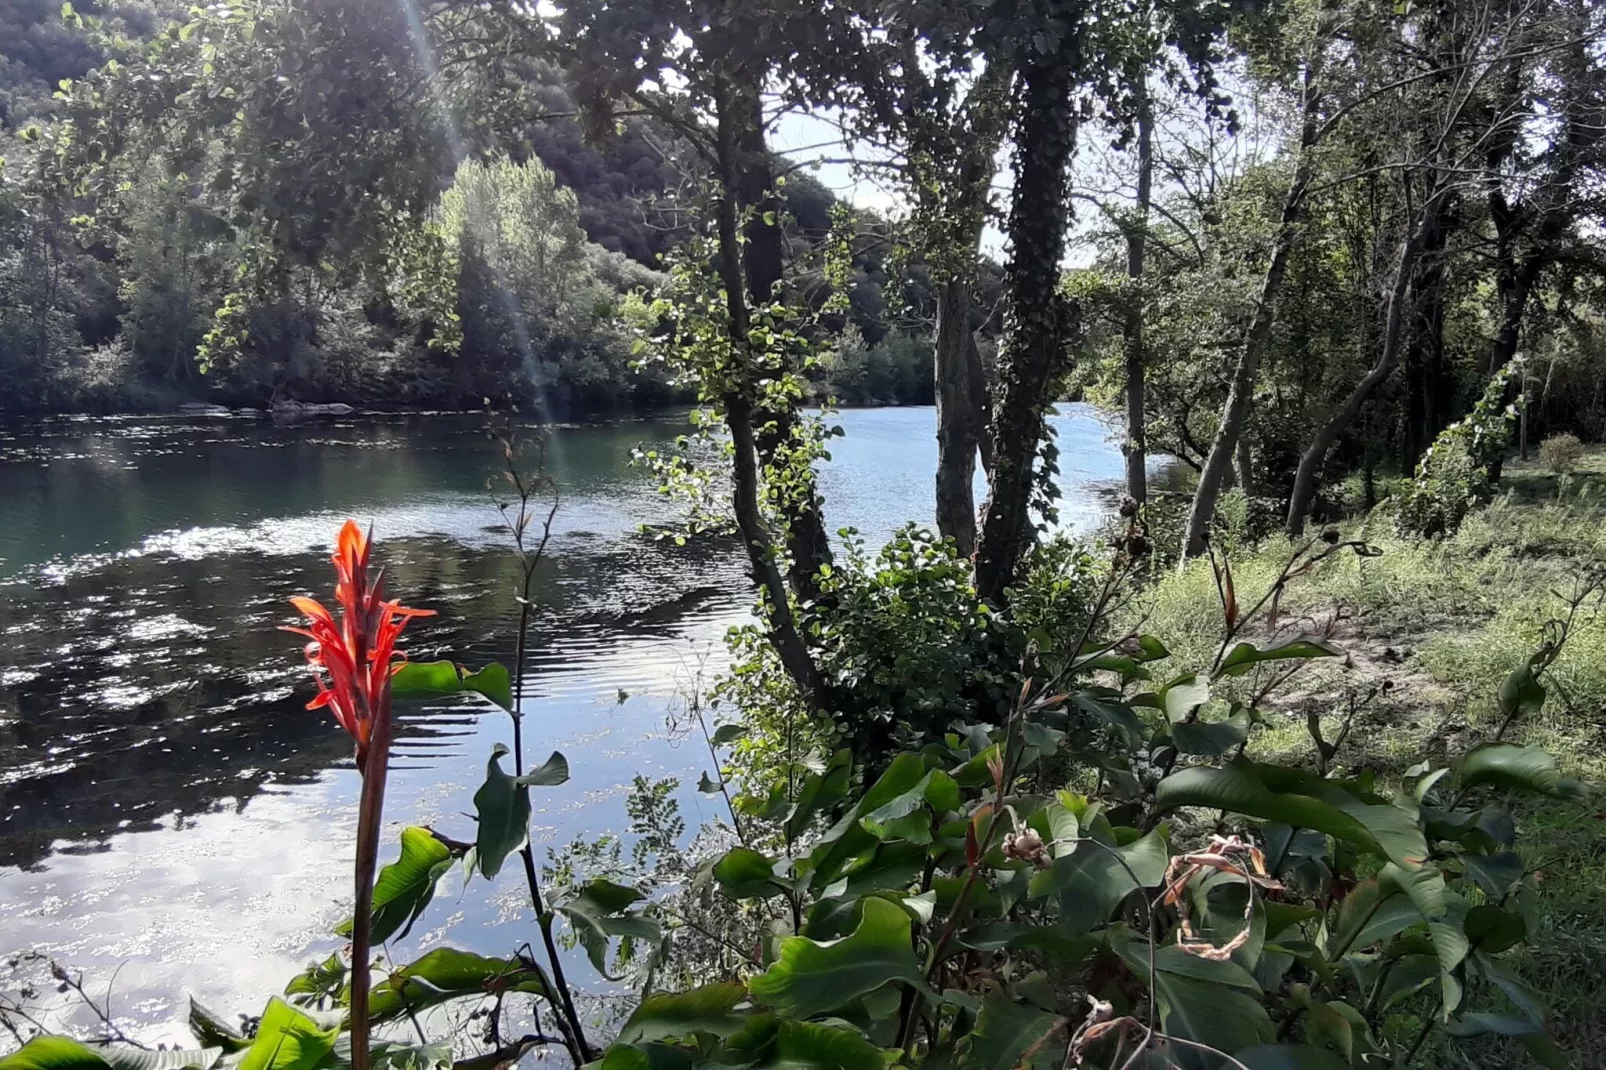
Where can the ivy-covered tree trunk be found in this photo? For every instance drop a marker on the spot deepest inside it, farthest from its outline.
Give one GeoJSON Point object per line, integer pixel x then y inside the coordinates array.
{"type": "Point", "coordinates": [1241, 388]}
{"type": "Point", "coordinates": [1137, 234]}
{"type": "Point", "coordinates": [959, 204]}
{"type": "Point", "coordinates": [763, 263]}
{"type": "Point", "coordinates": [959, 420]}
{"type": "Point", "coordinates": [1307, 476]}
{"type": "Point", "coordinates": [1428, 384]}
{"type": "Point", "coordinates": [1038, 317]}
{"type": "Point", "coordinates": [740, 397]}
{"type": "Point", "coordinates": [1514, 284]}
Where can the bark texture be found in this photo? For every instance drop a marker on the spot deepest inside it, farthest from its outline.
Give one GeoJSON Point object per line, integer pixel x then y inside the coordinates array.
{"type": "Point", "coordinates": [1136, 446]}
{"type": "Point", "coordinates": [1307, 476]}
{"type": "Point", "coordinates": [737, 262]}
{"type": "Point", "coordinates": [1241, 388]}
{"type": "Point", "coordinates": [763, 255]}
{"type": "Point", "coordinates": [1038, 318]}
{"type": "Point", "coordinates": [960, 422]}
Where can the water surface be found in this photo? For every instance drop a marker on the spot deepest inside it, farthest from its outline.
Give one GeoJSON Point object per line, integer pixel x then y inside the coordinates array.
{"type": "Point", "coordinates": [169, 812]}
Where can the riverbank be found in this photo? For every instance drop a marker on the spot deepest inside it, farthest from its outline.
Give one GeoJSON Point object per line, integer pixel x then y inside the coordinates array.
{"type": "Point", "coordinates": [170, 813]}
{"type": "Point", "coordinates": [1431, 631]}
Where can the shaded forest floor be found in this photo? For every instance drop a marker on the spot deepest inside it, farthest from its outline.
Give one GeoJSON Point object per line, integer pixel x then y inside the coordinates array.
{"type": "Point", "coordinates": [1431, 630]}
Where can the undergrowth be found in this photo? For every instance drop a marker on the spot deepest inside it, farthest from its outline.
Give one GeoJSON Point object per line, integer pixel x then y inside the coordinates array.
{"type": "Point", "coordinates": [1446, 620]}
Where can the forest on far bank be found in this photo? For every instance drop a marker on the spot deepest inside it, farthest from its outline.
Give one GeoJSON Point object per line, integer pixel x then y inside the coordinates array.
{"type": "Point", "coordinates": [99, 316]}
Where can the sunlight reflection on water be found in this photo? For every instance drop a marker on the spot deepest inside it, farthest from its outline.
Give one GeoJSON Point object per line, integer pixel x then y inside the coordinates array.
{"type": "Point", "coordinates": [171, 815]}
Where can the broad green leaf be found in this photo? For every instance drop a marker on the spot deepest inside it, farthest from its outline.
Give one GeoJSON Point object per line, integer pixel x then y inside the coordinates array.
{"type": "Point", "coordinates": [549, 774]}
{"type": "Point", "coordinates": [1150, 648]}
{"type": "Point", "coordinates": [1450, 946]}
{"type": "Point", "coordinates": [848, 839]}
{"type": "Point", "coordinates": [1010, 1034]}
{"type": "Point", "coordinates": [880, 820]}
{"type": "Point", "coordinates": [64, 1053]}
{"type": "Point", "coordinates": [1301, 799]}
{"type": "Point", "coordinates": [1289, 1057]}
{"type": "Point", "coordinates": [728, 733]}
{"type": "Point", "coordinates": [888, 820]}
{"type": "Point", "coordinates": [1109, 707]}
{"type": "Point", "coordinates": [942, 792]}
{"type": "Point", "coordinates": [1370, 915]}
{"type": "Point", "coordinates": [1406, 977]}
{"type": "Point", "coordinates": [1424, 886]}
{"type": "Point", "coordinates": [709, 1009]}
{"type": "Point", "coordinates": [814, 1046]}
{"type": "Point", "coordinates": [977, 772]}
{"type": "Point", "coordinates": [1171, 959]}
{"type": "Point", "coordinates": [1507, 765]}
{"type": "Point", "coordinates": [743, 873]}
{"type": "Point", "coordinates": [1183, 695]}
{"type": "Point", "coordinates": [1482, 1023]}
{"type": "Point", "coordinates": [646, 1057]}
{"type": "Point", "coordinates": [812, 978]}
{"type": "Point", "coordinates": [599, 913]}
{"type": "Point", "coordinates": [1493, 930]}
{"type": "Point", "coordinates": [1091, 881]}
{"type": "Point", "coordinates": [891, 866]}
{"type": "Point", "coordinates": [1495, 873]}
{"type": "Point", "coordinates": [1325, 1025]}
{"type": "Point", "coordinates": [288, 1039]}
{"type": "Point", "coordinates": [445, 974]}
{"type": "Point", "coordinates": [1211, 738]}
{"type": "Point", "coordinates": [1245, 656]}
{"type": "Point", "coordinates": [1226, 1019]}
{"type": "Point", "coordinates": [820, 790]}
{"type": "Point", "coordinates": [503, 809]}
{"type": "Point", "coordinates": [320, 978]}
{"type": "Point", "coordinates": [1545, 1052]}
{"type": "Point", "coordinates": [434, 679]}
{"type": "Point", "coordinates": [406, 886]}
{"type": "Point", "coordinates": [1518, 991]}
{"type": "Point", "coordinates": [1521, 692]}
{"type": "Point", "coordinates": [213, 1031]}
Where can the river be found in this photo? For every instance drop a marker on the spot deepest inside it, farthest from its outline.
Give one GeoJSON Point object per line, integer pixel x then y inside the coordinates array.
{"type": "Point", "coordinates": [173, 821]}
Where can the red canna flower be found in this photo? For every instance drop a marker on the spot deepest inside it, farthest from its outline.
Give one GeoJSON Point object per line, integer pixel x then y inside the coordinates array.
{"type": "Point", "coordinates": [352, 658]}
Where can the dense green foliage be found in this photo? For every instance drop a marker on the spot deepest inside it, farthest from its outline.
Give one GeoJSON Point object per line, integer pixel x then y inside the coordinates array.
{"type": "Point", "coordinates": [1135, 858]}
{"type": "Point", "coordinates": [120, 310]}
{"type": "Point", "coordinates": [981, 813]}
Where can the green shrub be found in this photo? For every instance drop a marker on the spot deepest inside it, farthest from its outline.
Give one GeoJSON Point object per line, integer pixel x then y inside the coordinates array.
{"type": "Point", "coordinates": [1457, 471]}
{"type": "Point", "coordinates": [1561, 453]}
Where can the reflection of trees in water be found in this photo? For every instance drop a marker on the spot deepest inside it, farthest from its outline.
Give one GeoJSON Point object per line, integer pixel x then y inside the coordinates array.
{"type": "Point", "coordinates": [159, 687]}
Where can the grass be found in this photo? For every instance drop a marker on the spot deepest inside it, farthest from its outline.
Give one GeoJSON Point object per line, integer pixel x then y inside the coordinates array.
{"type": "Point", "coordinates": [1443, 624]}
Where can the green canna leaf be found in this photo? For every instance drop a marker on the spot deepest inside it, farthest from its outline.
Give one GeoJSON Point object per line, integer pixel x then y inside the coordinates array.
{"type": "Point", "coordinates": [406, 886]}
{"type": "Point", "coordinates": [811, 978]}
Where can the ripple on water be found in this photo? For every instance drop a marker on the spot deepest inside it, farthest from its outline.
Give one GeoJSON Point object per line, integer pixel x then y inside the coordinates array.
{"type": "Point", "coordinates": [167, 804]}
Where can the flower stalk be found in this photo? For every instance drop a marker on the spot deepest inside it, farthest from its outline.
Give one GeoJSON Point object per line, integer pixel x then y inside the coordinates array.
{"type": "Point", "coordinates": [352, 659]}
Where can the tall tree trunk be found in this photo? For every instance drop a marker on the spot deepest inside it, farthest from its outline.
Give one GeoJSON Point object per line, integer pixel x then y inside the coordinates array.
{"type": "Point", "coordinates": [961, 387]}
{"type": "Point", "coordinates": [1513, 287]}
{"type": "Point", "coordinates": [783, 633]}
{"type": "Point", "coordinates": [1038, 317]}
{"type": "Point", "coordinates": [959, 424]}
{"type": "Point", "coordinates": [763, 256]}
{"type": "Point", "coordinates": [1246, 466]}
{"type": "Point", "coordinates": [1137, 234]}
{"type": "Point", "coordinates": [980, 403]}
{"type": "Point", "coordinates": [1241, 387]}
{"type": "Point", "coordinates": [1308, 475]}
{"type": "Point", "coordinates": [1427, 379]}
